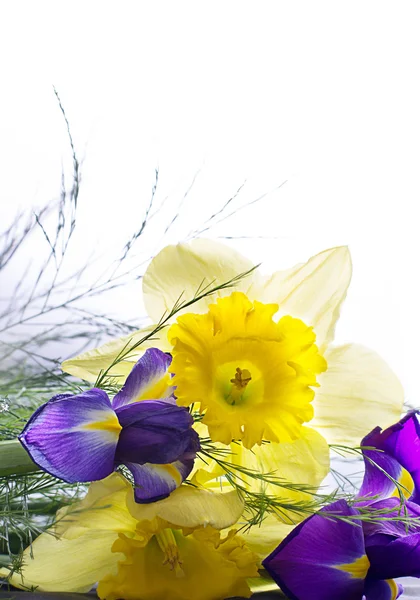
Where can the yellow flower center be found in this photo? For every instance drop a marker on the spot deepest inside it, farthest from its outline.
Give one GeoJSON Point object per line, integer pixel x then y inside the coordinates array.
{"type": "Point", "coordinates": [167, 544]}
{"type": "Point", "coordinates": [251, 375]}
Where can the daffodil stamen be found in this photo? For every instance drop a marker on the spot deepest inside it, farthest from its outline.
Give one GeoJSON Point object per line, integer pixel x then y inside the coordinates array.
{"type": "Point", "coordinates": [168, 545]}
{"type": "Point", "coordinates": [241, 379]}
{"type": "Point", "coordinates": [239, 383]}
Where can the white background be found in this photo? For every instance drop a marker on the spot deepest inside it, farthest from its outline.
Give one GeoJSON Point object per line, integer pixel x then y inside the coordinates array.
{"type": "Point", "coordinates": [323, 95]}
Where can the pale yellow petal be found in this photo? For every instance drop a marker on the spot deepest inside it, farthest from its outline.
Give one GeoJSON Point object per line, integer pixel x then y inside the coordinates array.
{"type": "Point", "coordinates": [89, 364]}
{"type": "Point", "coordinates": [313, 291]}
{"type": "Point", "coordinates": [103, 508]}
{"type": "Point", "coordinates": [62, 565]}
{"type": "Point", "coordinates": [76, 552]}
{"type": "Point", "coordinates": [264, 539]}
{"type": "Point", "coordinates": [179, 271]}
{"type": "Point", "coordinates": [191, 507]}
{"type": "Point", "coordinates": [357, 392]}
{"type": "Point", "coordinates": [264, 583]}
{"type": "Point", "coordinates": [304, 461]}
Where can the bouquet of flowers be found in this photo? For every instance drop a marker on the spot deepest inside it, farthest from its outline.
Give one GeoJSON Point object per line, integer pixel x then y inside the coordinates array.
{"type": "Point", "coordinates": [186, 459]}
{"type": "Point", "coordinates": [205, 437]}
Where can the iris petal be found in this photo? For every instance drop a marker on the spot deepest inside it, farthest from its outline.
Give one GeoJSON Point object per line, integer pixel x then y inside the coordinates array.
{"type": "Point", "coordinates": [392, 558]}
{"type": "Point", "coordinates": [74, 437]}
{"type": "Point", "coordinates": [153, 431]}
{"type": "Point", "coordinates": [399, 450]}
{"type": "Point", "coordinates": [148, 379]}
{"type": "Point", "coordinates": [379, 469]}
{"type": "Point", "coordinates": [155, 482]}
{"type": "Point", "coordinates": [382, 589]}
{"type": "Point", "coordinates": [323, 558]}
{"type": "Point", "coordinates": [393, 525]}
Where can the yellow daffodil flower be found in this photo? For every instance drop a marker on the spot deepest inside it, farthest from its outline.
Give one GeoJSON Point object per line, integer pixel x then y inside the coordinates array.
{"type": "Point", "coordinates": [355, 390]}
{"type": "Point", "coordinates": [252, 376]}
{"type": "Point", "coordinates": [168, 549]}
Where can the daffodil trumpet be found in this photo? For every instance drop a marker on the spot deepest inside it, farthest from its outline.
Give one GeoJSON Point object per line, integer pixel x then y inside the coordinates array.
{"type": "Point", "coordinates": [85, 437]}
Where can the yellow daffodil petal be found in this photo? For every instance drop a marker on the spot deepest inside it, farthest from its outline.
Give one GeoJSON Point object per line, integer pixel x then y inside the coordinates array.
{"type": "Point", "coordinates": [66, 565]}
{"type": "Point", "coordinates": [357, 392]}
{"type": "Point", "coordinates": [189, 507]}
{"type": "Point", "coordinates": [263, 539]}
{"type": "Point", "coordinates": [179, 271]}
{"type": "Point", "coordinates": [103, 508]}
{"type": "Point", "coordinates": [76, 552]}
{"type": "Point", "coordinates": [263, 583]}
{"type": "Point", "coordinates": [313, 291]}
{"type": "Point", "coordinates": [305, 461]}
{"type": "Point", "coordinates": [89, 364]}
{"type": "Point", "coordinates": [201, 565]}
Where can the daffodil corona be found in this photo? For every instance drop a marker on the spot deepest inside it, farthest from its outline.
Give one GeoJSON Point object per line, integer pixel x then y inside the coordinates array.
{"type": "Point", "coordinates": [252, 374]}
{"type": "Point", "coordinates": [197, 564]}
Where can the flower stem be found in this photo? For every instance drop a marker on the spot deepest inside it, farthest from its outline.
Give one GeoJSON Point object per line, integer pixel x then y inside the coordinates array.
{"type": "Point", "coordinates": [14, 460]}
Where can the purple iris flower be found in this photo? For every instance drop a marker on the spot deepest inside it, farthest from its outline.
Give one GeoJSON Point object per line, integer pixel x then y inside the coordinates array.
{"type": "Point", "coordinates": [85, 437]}
{"type": "Point", "coordinates": [326, 557]}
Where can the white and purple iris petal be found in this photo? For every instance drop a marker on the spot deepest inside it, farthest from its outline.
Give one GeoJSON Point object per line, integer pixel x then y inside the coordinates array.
{"type": "Point", "coordinates": [83, 437]}
{"type": "Point", "coordinates": [74, 437]}
{"type": "Point", "coordinates": [397, 455]}
{"type": "Point", "coordinates": [326, 558]}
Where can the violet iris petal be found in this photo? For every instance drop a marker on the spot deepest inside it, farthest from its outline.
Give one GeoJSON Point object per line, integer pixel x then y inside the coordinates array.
{"type": "Point", "coordinates": [322, 558]}
{"type": "Point", "coordinates": [391, 508]}
{"type": "Point", "coordinates": [382, 589]}
{"type": "Point", "coordinates": [153, 431]}
{"type": "Point", "coordinates": [74, 437]}
{"type": "Point", "coordinates": [148, 379]}
{"type": "Point", "coordinates": [399, 447]}
{"type": "Point", "coordinates": [156, 481]}
{"type": "Point", "coordinates": [391, 558]}
{"type": "Point", "coordinates": [377, 483]}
